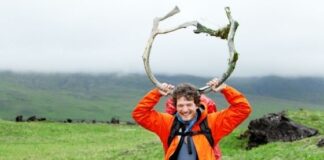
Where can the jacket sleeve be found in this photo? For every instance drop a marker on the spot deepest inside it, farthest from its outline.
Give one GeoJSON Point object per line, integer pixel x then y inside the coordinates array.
{"type": "Point", "coordinates": [145, 115]}
{"type": "Point", "coordinates": [169, 107]}
{"type": "Point", "coordinates": [225, 121]}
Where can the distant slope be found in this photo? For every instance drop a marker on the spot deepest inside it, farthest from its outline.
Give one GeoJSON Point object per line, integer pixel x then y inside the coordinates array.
{"type": "Point", "coordinates": [74, 96]}
{"type": "Point", "coordinates": [101, 97]}
{"type": "Point", "coordinates": [304, 89]}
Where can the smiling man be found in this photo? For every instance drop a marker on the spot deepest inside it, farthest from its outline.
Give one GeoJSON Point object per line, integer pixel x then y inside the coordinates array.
{"type": "Point", "coordinates": [191, 133]}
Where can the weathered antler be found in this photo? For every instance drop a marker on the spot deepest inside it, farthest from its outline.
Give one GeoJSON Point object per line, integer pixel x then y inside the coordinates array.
{"type": "Point", "coordinates": [227, 32]}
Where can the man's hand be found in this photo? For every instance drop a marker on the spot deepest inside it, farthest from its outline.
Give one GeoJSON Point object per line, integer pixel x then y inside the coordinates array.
{"type": "Point", "coordinates": [213, 84]}
{"type": "Point", "coordinates": [166, 89]}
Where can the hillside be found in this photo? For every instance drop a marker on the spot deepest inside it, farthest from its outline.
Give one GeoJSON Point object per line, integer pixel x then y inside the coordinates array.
{"type": "Point", "coordinates": [101, 97]}
{"type": "Point", "coordinates": [52, 140]}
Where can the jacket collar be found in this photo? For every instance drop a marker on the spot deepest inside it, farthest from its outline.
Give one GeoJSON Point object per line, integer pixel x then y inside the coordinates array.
{"type": "Point", "coordinates": [202, 113]}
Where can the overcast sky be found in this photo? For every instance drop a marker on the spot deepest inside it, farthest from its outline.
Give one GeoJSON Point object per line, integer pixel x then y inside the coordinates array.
{"type": "Point", "coordinates": [275, 37]}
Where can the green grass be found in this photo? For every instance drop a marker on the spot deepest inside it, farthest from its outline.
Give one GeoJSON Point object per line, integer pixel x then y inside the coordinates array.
{"type": "Point", "coordinates": [63, 141]}
{"type": "Point", "coordinates": [70, 141]}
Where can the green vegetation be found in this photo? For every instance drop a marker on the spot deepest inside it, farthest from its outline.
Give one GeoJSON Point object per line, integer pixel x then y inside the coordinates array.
{"type": "Point", "coordinates": [77, 96]}
{"type": "Point", "coordinates": [72, 141]}
{"type": "Point", "coordinates": [101, 97]}
{"type": "Point", "coordinates": [63, 141]}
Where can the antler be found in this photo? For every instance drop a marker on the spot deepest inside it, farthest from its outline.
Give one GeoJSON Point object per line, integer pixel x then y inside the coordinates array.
{"type": "Point", "coordinates": [154, 33]}
{"type": "Point", "coordinates": [227, 32]}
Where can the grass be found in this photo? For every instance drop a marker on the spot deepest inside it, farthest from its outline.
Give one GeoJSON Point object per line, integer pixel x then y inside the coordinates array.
{"type": "Point", "coordinates": [69, 141]}
{"type": "Point", "coordinates": [82, 141]}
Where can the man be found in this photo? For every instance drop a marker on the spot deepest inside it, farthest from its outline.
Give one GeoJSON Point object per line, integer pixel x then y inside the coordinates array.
{"type": "Point", "coordinates": [190, 114]}
{"type": "Point", "coordinates": [211, 108]}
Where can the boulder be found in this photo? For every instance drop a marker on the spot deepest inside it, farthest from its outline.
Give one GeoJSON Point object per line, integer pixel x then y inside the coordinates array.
{"type": "Point", "coordinates": [276, 127]}
{"type": "Point", "coordinates": [19, 118]}
{"type": "Point", "coordinates": [320, 143]}
{"type": "Point", "coordinates": [31, 119]}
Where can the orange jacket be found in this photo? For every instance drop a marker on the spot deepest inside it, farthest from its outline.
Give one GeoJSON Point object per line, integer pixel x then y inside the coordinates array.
{"type": "Point", "coordinates": [221, 123]}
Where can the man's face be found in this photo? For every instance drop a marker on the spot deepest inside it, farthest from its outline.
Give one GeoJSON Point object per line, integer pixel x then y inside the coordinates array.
{"type": "Point", "coordinates": [186, 108]}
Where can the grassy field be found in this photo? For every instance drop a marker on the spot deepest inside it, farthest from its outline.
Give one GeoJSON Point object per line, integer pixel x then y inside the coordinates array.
{"type": "Point", "coordinates": [70, 141]}
{"type": "Point", "coordinates": [63, 141]}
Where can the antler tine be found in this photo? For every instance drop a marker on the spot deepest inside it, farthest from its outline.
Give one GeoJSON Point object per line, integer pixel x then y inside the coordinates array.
{"type": "Point", "coordinates": [154, 33]}
{"type": "Point", "coordinates": [147, 51]}
{"type": "Point", "coordinates": [233, 55]}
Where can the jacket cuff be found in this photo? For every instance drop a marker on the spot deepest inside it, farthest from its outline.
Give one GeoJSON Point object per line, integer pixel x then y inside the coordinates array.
{"type": "Point", "coordinates": [229, 92]}
{"type": "Point", "coordinates": [155, 92]}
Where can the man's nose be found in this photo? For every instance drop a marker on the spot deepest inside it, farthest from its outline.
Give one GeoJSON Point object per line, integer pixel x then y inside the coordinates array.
{"type": "Point", "coordinates": [185, 109]}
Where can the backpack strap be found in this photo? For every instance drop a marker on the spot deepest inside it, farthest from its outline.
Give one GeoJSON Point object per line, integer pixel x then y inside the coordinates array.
{"type": "Point", "coordinates": [207, 132]}
{"type": "Point", "coordinates": [174, 130]}
{"type": "Point", "coordinates": [204, 129]}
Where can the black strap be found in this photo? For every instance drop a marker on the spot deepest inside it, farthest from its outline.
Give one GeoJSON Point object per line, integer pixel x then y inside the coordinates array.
{"type": "Point", "coordinates": [207, 132]}
{"type": "Point", "coordinates": [189, 145]}
{"type": "Point", "coordinates": [174, 156]}
{"type": "Point", "coordinates": [204, 129]}
{"type": "Point", "coordinates": [174, 130]}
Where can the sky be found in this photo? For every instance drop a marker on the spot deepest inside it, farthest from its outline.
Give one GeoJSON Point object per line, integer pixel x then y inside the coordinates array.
{"type": "Point", "coordinates": [276, 37]}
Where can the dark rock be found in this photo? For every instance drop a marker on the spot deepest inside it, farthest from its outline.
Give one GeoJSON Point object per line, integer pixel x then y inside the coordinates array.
{"type": "Point", "coordinates": [114, 121]}
{"type": "Point", "coordinates": [276, 127]}
{"type": "Point", "coordinates": [32, 119]}
{"type": "Point", "coordinates": [41, 119]}
{"type": "Point", "coordinates": [320, 143]}
{"type": "Point", "coordinates": [19, 118]}
{"type": "Point", "coordinates": [69, 120]}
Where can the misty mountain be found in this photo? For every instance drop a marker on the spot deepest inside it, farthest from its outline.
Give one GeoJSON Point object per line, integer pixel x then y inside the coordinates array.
{"type": "Point", "coordinates": [308, 89]}
{"type": "Point", "coordinates": [111, 95]}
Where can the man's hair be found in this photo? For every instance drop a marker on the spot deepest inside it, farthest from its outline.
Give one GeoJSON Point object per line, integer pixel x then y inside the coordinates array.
{"type": "Point", "coordinates": [188, 91]}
